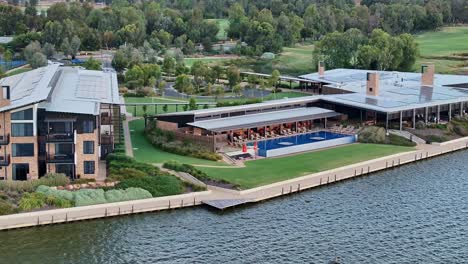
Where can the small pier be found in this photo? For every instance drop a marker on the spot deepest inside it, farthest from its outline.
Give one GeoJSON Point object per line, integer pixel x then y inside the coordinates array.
{"type": "Point", "coordinates": [226, 203]}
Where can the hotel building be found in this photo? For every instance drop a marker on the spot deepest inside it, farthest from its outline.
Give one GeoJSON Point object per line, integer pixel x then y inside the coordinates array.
{"type": "Point", "coordinates": [57, 119]}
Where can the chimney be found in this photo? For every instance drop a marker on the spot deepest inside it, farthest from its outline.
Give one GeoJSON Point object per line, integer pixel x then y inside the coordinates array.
{"type": "Point", "coordinates": [5, 96]}
{"type": "Point", "coordinates": [321, 69]}
{"type": "Point", "coordinates": [372, 83]}
{"type": "Point", "coordinates": [427, 71]}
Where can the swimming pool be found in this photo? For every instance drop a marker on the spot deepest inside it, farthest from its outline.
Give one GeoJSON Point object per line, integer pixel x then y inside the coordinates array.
{"type": "Point", "coordinates": [303, 142]}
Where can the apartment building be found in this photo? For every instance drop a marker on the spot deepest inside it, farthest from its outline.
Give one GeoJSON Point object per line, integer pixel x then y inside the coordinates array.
{"type": "Point", "coordinates": [57, 119]}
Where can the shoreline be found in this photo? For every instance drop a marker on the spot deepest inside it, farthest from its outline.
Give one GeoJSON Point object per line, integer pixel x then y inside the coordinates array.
{"type": "Point", "coordinates": [258, 194]}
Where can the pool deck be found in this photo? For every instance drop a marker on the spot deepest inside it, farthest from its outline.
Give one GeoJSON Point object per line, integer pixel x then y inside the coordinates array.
{"type": "Point", "coordinates": [224, 198]}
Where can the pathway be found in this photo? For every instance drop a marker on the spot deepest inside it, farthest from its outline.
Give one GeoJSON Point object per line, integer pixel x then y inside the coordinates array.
{"type": "Point", "coordinates": [126, 128]}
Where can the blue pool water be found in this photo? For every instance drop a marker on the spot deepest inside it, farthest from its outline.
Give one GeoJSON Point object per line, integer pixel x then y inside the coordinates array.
{"type": "Point", "coordinates": [284, 142]}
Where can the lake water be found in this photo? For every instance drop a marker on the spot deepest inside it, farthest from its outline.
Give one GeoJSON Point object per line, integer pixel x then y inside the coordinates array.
{"type": "Point", "coordinates": [414, 214]}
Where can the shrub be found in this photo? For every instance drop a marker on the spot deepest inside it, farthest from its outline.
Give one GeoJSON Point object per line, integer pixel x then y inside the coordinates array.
{"type": "Point", "coordinates": [128, 194]}
{"type": "Point", "coordinates": [85, 197]}
{"type": "Point", "coordinates": [400, 141]}
{"type": "Point", "coordinates": [157, 185]}
{"type": "Point", "coordinates": [420, 125]}
{"type": "Point", "coordinates": [50, 179]}
{"type": "Point", "coordinates": [6, 208]}
{"type": "Point", "coordinates": [83, 181]}
{"type": "Point", "coordinates": [201, 175]}
{"type": "Point", "coordinates": [165, 140]}
{"type": "Point", "coordinates": [31, 201]}
{"type": "Point", "coordinates": [372, 134]}
{"type": "Point", "coordinates": [62, 194]}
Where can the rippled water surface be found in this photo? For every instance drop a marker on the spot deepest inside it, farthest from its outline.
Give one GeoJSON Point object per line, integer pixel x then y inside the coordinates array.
{"type": "Point", "coordinates": [414, 214]}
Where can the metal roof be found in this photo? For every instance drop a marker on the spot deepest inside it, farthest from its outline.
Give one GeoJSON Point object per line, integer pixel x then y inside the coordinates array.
{"type": "Point", "coordinates": [264, 119]}
{"type": "Point", "coordinates": [282, 77]}
{"type": "Point", "coordinates": [249, 107]}
{"type": "Point", "coordinates": [398, 91]}
{"type": "Point", "coordinates": [62, 89]}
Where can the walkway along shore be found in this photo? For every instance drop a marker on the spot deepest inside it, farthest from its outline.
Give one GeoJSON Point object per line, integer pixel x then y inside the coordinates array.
{"type": "Point", "coordinates": [214, 194]}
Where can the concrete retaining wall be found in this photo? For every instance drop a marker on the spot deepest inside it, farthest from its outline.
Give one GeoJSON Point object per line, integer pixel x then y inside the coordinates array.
{"type": "Point", "coordinates": [99, 211]}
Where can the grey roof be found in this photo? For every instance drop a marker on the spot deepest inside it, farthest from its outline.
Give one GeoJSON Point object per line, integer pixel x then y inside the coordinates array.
{"type": "Point", "coordinates": [398, 91]}
{"type": "Point", "coordinates": [226, 109]}
{"type": "Point", "coordinates": [282, 77]}
{"type": "Point", "coordinates": [264, 119]}
{"type": "Point", "coordinates": [62, 89]}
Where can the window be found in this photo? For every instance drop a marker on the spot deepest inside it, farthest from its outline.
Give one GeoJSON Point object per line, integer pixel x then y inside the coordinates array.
{"type": "Point", "coordinates": [89, 167]}
{"type": "Point", "coordinates": [23, 115]}
{"type": "Point", "coordinates": [23, 150]}
{"type": "Point", "coordinates": [21, 129]}
{"type": "Point", "coordinates": [20, 171]}
{"type": "Point", "coordinates": [88, 147]}
{"type": "Point", "coordinates": [88, 126]}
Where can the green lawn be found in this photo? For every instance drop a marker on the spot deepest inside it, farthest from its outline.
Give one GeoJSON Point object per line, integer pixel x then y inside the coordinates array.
{"type": "Point", "coordinates": [152, 110]}
{"type": "Point", "coordinates": [189, 61]}
{"type": "Point", "coordinates": [266, 171]}
{"type": "Point", "coordinates": [295, 60]}
{"type": "Point", "coordinates": [145, 152]}
{"type": "Point", "coordinates": [438, 46]}
{"type": "Point", "coordinates": [223, 25]}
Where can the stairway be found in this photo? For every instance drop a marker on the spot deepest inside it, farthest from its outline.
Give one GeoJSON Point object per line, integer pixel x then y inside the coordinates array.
{"type": "Point", "coordinates": [407, 135]}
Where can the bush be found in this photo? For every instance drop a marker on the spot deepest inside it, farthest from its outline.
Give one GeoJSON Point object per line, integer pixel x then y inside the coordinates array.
{"type": "Point", "coordinates": [129, 194]}
{"type": "Point", "coordinates": [50, 179]}
{"type": "Point", "coordinates": [31, 201]}
{"type": "Point", "coordinates": [400, 141]}
{"type": "Point", "coordinates": [123, 167]}
{"type": "Point", "coordinates": [372, 134]}
{"type": "Point", "coordinates": [83, 197]}
{"type": "Point", "coordinates": [420, 125]}
{"type": "Point", "coordinates": [165, 140]}
{"type": "Point", "coordinates": [6, 208]}
{"type": "Point", "coordinates": [163, 185]}
{"type": "Point", "coordinates": [201, 175]}
{"type": "Point", "coordinates": [83, 181]}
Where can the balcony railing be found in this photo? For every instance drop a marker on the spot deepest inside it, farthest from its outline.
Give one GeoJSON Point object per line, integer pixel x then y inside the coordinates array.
{"type": "Point", "coordinates": [60, 158]}
{"type": "Point", "coordinates": [5, 139]}
{"type": "Point", "coordinates": [4, 161]}
{"type": "Point", "coordinates": [60, 137]}
{"type": "Point", "coordinates": [107, 139]}
{"type": "Point", "coordinates": [106, 120]}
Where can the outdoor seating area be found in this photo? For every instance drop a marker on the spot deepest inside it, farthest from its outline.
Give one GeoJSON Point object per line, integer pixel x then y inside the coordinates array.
{"type": "Point", "coordinates": [241, 137]}
{"type": "Point", "coordinates": [347, 130]}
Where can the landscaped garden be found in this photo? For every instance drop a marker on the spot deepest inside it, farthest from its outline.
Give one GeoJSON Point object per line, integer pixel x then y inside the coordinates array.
{"type": "Point", "coordinates": [456, 128]}
{"type": "Point", "coordinates": [266, 171]}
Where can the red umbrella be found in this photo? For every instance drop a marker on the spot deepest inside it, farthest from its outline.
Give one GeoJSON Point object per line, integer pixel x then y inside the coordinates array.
{"type": "Point", "coordinates": [244, 148]}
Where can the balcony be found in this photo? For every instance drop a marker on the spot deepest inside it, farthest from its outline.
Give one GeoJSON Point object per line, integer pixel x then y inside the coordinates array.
{"type": "Point", "coordinates": [106, 120]}
{"type": "Point", "coordinates": [60, 158]}
{"type": "Point", "coordinates": [5, 139]}
{"type": "Point", "coordinates": [4, 161]}
{"type": "Point", "coordinates": [60, 137]}
{"type": "Point", "coordinates": [107, 139]}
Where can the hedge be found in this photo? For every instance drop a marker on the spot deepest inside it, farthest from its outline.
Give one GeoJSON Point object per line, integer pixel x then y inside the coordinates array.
{"type": "Point", "coordinates": [85, 197]}
{"type": "Point", "coordinates": [158, 186]}
{"type": "Point", "coordinates": [51, 179]}
{"type": "Point", "coordinates": [201, 175]}
{"type": "Point", "coordinates": [165, 140]}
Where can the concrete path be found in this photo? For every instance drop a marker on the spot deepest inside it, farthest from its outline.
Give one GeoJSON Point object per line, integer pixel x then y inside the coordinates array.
{"type": "Point", "coordinates": [126, 128]}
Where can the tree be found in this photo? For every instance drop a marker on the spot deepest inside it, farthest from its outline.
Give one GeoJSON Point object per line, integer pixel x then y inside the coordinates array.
{"type": "Point", "coordinates": [252, 80]}
{"type": "Point", "coordinates": [75, 46]}
{"type": "Point", "coordinates": [49, 50]}
{"type": "Point", "coordinates": [183, 84]}
{"type": "Point", "coordinates": [134, 77]}
{"type": "Point", "coordinates": [53, 33]}
{"type": "Point", "coordinates": [93, 64]}
{"type": "Point", "coordinates": [33, 48]}
{"type": "Point", "coordinates": [38, 60]}
{"type": "Point", "coordinates": [217, 72]}
{"type": "Point", "coordinates": [169, 65]}
{"type": "Point", "coordinates": [219, 92]}
{"type": "Point", "coordinates": [237, 89]}
{"type": "Point", "coordinates": [193, 104]}
{"type": "Point", "coordinates": [312, 23]}
{"type": "Point", "coordinates": [189, 47]}
{"type": "Point", "coordinates": [150, 71]}
{"type": "Point", "coordinates": [410, 52]}
{"type": "Point", "coordinates": [198, 70]}
{"type": "Point", "coordinates": [274, 78]}
{"type": "Point", "coordinates": [233, 76]}
{"type": "Point", "coordinates": [207, 44]}
{"type": "Point", "coordinates": [66, 47]}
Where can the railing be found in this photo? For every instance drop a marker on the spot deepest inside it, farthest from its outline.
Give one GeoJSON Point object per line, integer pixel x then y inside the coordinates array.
{"type": "Point", "coordinates": [4, 160]}
{"type": "Point", "coordinates": [106, 120]}
{"type": "Point", "coordinates": [107, 139]}
{"type": "Point", "coordinates": [60, 137]}
{"type": "Point", "coordinates": [60, 158]}
{"type": "Point", "coordinates": [5, 139]}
